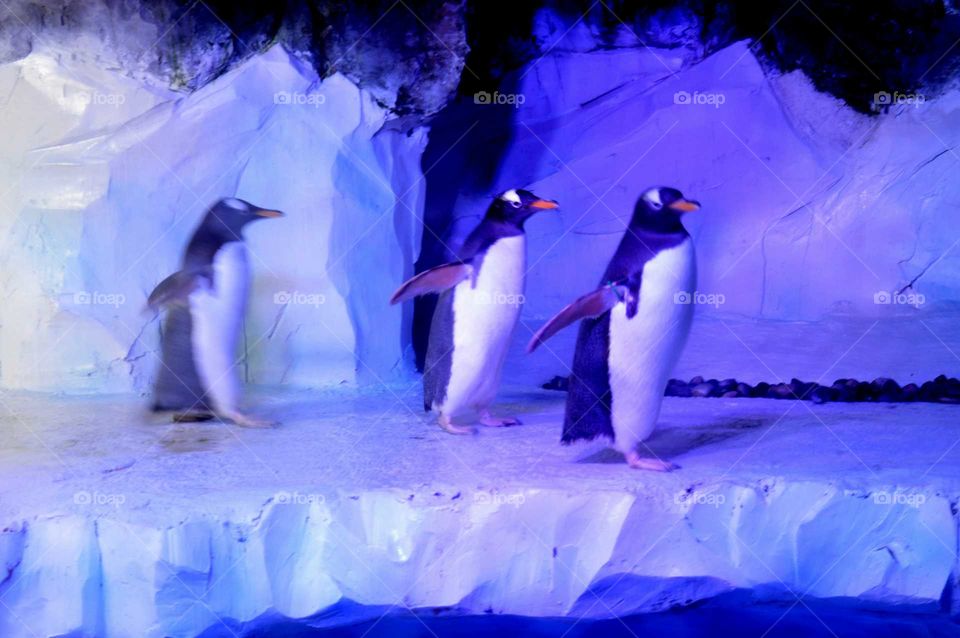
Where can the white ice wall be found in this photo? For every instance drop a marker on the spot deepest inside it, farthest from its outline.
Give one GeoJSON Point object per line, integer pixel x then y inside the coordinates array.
{"type": "Point", "coordinates": [809, 208]}
{"type": "Point", "coordinates": [105, 179]}
{"type": "Point", "coordinates": [550, 553]}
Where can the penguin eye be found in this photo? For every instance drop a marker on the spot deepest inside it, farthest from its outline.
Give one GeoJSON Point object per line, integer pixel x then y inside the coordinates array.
{"type": "Point", "coordinates": [515, 204]}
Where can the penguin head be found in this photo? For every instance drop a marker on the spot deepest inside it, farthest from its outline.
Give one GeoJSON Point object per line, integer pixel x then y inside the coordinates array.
{"type": "Point", "coordinates": [229, 215]}
{"type": "Point", "coordinates": [515, 206]}
{"type": "Point", "coordinates": [661, 207]}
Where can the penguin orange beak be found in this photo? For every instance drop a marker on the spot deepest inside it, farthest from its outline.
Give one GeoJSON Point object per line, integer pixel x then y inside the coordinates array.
{"type": "Point", "coordinates": [685, 205]}
{"type": "Point", "coordinates": [262, 212]}
{"type": "Point", "coordinates": [544, 204]}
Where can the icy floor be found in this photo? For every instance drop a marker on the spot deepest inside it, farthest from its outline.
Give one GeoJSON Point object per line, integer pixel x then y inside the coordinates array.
{"type": "Point", "coordinates": [116, 523]}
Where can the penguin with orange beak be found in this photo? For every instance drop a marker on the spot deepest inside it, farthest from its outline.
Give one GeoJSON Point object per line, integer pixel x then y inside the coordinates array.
{"type": "Point", "coordinates": [481, 294]}
{"type": "Point", "coordinates": [206, 301]}
{"type": "Point", "coordinates": [633, 328]}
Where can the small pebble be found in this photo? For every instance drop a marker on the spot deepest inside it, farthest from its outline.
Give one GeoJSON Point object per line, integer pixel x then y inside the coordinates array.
{"type": "Point", "coordinates": [780, 391]}
{"type": "Point", "coordinates": [942, 389]}
{"type": "Point", "coordinates": [557, 383]}
{"type": "Point", "coordinates": [821, 394]}
{"type": "Point", "coordinates": [910, 392]}
{"type": "Point", "coordinates": [760, 390]}
{"type": "Point", "coordinates": [702, 390]}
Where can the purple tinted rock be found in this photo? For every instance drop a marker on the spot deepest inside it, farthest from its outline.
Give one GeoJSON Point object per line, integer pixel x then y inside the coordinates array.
{"type": "Point", "coordinates": [703, 390]}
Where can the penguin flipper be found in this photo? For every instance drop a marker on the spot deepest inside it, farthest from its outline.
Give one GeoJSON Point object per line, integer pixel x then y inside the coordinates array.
{"type": "Point", "coordinates": [591, 305]}
{"type": "Point", "coordinates": [176, 288]}
{"type": "Point", "coordinates": [432, 281]}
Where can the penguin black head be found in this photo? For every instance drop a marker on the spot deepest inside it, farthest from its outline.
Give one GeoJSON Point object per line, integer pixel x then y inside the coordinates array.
{"type": "Point", "coordinates": [515, 206]}
{"type": "Point", "coordinates": [660, 209]}
{"type": "Point", "coordinates": [226, 219]}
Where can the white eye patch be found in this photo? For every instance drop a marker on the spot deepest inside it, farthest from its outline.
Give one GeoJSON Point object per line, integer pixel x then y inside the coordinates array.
{"type": "Point", "coordinates": [234, 203]}
{"type": "Point", "coordinates": [652, 197]}
{"type": "Point", "coordinates": [511, 196]}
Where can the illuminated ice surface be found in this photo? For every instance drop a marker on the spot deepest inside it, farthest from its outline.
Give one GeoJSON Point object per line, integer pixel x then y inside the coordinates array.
{"type": "Point", "coordinates": [116, 524]}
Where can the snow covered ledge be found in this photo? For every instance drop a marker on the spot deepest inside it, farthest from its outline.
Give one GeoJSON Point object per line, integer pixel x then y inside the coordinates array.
{"type": "Point", "coordinates": [112, 526]}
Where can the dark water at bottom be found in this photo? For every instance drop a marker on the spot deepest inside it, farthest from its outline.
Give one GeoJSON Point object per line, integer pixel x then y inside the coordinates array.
{"type": "Point", "coordinates": [742, 621]}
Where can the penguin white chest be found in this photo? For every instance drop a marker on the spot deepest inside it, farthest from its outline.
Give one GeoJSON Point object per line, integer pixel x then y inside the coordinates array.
{"type": "Point", "coordinates": [217, 314]}
{"type": "Point", "coordinates": [643, 349]}
{"type": "Point", "coordinates": [484, 317]}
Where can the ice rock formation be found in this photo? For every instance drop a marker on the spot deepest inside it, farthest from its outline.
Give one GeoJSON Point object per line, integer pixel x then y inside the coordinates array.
{"type": "Point", "coordinates": [106, 179]}
{"type": "Point", "coordinates": [811, 209]}
{"type": "Point", "coordinates": [538, 552]}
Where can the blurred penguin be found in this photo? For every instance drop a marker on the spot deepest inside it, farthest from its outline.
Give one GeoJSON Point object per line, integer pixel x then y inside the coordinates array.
{"type": "Point", "coordinates": [206, 301]}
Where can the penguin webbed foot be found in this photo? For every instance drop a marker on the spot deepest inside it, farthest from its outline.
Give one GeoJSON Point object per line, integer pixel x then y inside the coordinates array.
{"type": "Point", "coordinates": [192, 416]}
{"type": "Point", "coordinates": [244, 421]}
{"type": "Point", "coordinates": [447, 425]}
{"type": "Point", "coordinates": [638, 462]}
{"type": "Point", "coordinates": [491, 421]}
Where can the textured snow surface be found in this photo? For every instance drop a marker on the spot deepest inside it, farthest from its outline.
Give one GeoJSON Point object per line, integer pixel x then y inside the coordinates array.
{"type": "Point", "coordinates": [106, 181]}
{"type": "Point", "coordinates": [113, 525]}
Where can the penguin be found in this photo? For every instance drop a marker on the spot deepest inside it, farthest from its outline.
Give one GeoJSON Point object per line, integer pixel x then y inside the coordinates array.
{"type": "Point", "coordinates": [634, 327]}
{"type": "Point", "coordinates": [206, 301]}
{"type": "Point", "coordinates": [481, 294]}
